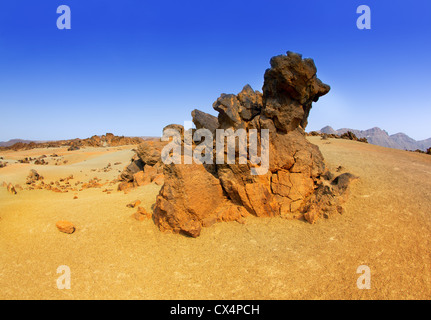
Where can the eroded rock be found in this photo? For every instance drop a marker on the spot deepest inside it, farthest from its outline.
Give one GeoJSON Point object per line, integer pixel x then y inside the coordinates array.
{"type": "Point", "coordinates": [296, 184]}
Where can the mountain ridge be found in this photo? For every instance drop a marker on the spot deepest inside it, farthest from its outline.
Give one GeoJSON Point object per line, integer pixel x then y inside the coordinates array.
{"type": "Point", "coordinates": [382, 138]}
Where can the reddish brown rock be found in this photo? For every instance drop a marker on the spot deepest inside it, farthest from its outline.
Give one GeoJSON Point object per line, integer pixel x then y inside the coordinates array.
{"type": "Point", "coordinates": [134, 204]}
{"type": "Point", "coordinates": [159, 179]}
{"type": "Point", "coordinates": [33, 177]}
{"type": "Point", "coordinates": [125, 186]}
{"type": "Point", "coordinates": [149, 153]}
{"type": "Point", "coordinates": [191, 193]}
{"type": "Point", "coordinates": [296, 184]}
{"type": "Point", "coordinates": [140, 179]}
{"type": "Point", "coordinates": [134, 167]}
{"type": "Point", "coordinates": [141, 214]}
{"type": "Point", "coordinates": [65, 226]}
{"type": "Point", "coordinates": [11, 189]}
{"type": "Point", "coordinates": [146, 165]}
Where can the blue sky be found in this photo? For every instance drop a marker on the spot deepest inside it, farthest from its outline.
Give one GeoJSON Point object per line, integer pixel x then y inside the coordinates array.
{"type": "Point", "coordinates": [131, 67]}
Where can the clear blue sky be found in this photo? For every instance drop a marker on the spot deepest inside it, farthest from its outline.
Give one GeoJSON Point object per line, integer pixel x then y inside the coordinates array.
{"type": "Point", "coordinates": [131, 67]}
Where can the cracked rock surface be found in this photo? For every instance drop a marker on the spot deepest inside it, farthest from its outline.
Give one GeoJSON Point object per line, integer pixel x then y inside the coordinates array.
{"type": "Point", "coordinates": [296, 184]}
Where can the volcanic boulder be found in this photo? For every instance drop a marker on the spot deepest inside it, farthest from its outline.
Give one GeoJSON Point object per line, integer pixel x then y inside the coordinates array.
{"type": "Point", "coordinates": [204, 120]}
{"type": "Point", "coordinates": [295, 183]}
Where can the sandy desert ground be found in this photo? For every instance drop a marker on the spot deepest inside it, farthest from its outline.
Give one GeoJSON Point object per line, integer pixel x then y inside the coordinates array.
{"type": "Point", "coordinates": [386, 226]}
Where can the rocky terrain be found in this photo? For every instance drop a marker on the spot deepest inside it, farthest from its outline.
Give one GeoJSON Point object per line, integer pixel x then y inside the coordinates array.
{"type": "Point", "coordinates": [117, 252]}
{"type": "Point", "coordinates": [107, 140]}
{"type": "Point", "coordinates": [380, 137]}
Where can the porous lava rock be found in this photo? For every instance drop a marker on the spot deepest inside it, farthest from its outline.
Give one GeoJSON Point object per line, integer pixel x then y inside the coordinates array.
{"type": "Point", "coordinates": [296, 184]}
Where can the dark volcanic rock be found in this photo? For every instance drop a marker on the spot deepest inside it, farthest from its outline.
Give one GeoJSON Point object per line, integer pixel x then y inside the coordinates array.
{"type": "Point", "coordinates": [134, 167]}
{"type": "Point", "coordinates": [289, 89]}
{"type": "Point", "coordinates": [296, 183]}
{"type": "Point", "coordinates": [204, 120]}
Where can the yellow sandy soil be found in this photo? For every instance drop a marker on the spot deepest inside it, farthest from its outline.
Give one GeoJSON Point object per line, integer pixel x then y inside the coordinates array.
{"type": "Point", "coordinates": [387, 226]}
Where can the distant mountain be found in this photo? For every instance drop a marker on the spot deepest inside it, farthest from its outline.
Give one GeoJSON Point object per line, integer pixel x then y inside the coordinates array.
{"type": "Point", "coordinates": [380, 137]}
{"type": "Point", "coordinates": [12, 142]}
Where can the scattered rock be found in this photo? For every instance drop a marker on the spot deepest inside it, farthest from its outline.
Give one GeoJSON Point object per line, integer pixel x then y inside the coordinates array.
{"type": "Point", "coordinates": [33, 177]}
{"type": "Point", "coordinates": [146, 165]}
{"type": "Point", "coordinates": [125, 186]}
{"type": "Point", "coordinates": [349, 135]}
{"type": "Point", "coordinates": [73, 148]}
{"type": "Point", "coordinates": [25, 160]}
{"type": "Point", "coordinates": [340, 168]}
{"type": "Point", "coordinates": [134, 204]}
{"type": "Point", "coordinates": [141, 214]}
{"type": "Point", "coordinates": [40, 162]}
{"type": "Point", "coordinates": [11, 189]}
{"type": "Point", "coordinates": [65, 226]}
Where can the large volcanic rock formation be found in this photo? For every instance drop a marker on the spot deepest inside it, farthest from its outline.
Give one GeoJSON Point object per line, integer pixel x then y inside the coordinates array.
{"type": "Point", "coordinates": [296, 184]}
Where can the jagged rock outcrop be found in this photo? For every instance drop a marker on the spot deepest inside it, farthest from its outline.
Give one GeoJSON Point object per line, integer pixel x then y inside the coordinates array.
{"type": "Point", "coordinates": [204, 120]}
{"type": "Point", "coordinates": [296, 184]}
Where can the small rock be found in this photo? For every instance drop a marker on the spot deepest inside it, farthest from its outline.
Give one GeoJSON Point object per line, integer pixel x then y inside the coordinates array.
{"type": "Point", "coordinates": [141, 214]}
{"type": "Point", "coordinates": [134, 204]}
{"type": "Point", "coordinates": [11, 188]}
{"type": "Point", "coordinates": [65, 226]}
